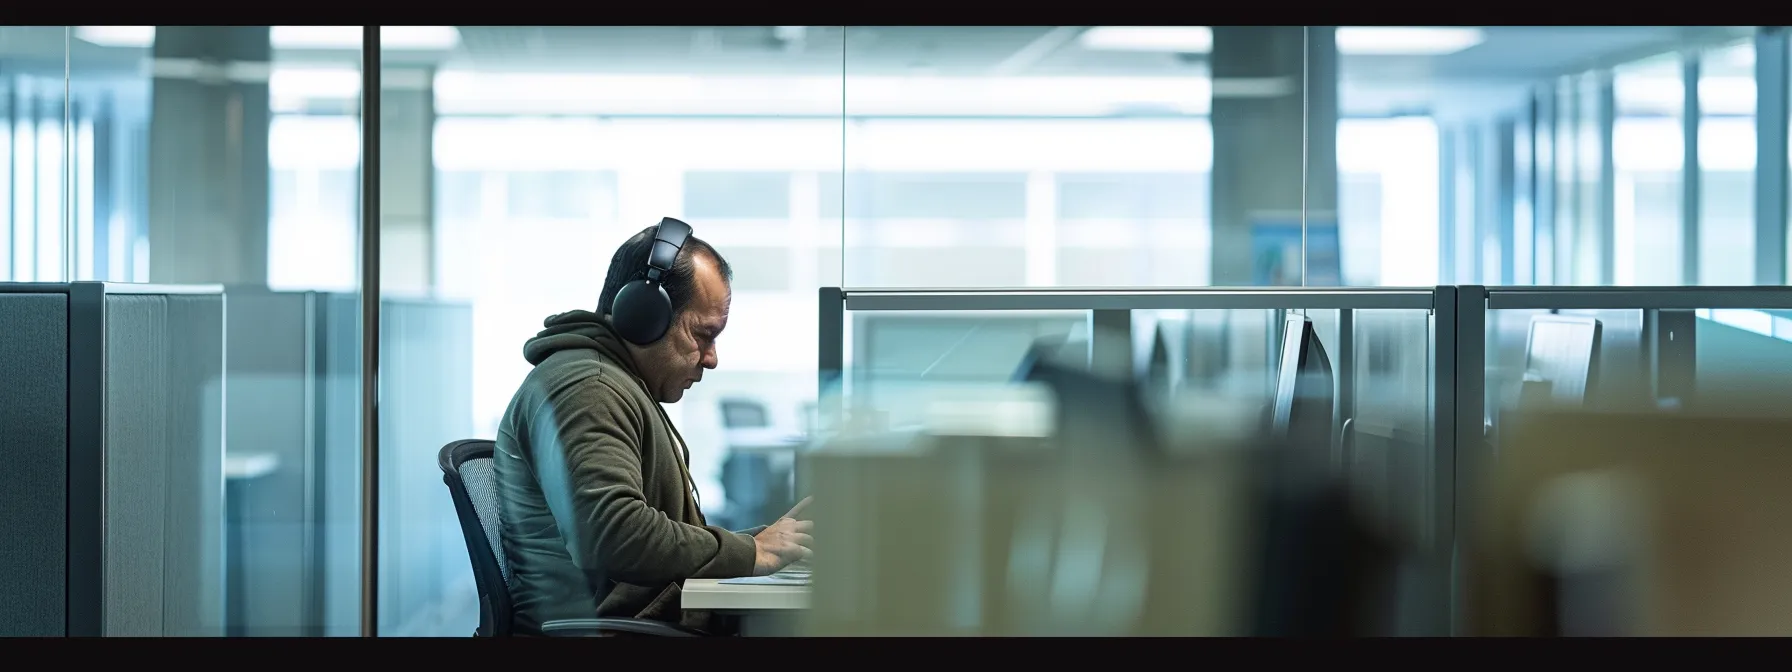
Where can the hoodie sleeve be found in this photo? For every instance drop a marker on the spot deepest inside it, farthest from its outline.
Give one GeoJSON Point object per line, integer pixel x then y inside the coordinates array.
{"type": "Point", "coordinates": [613, 532]}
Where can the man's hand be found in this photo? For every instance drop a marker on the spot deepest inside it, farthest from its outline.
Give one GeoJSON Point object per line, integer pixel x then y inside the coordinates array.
{"type": "Point", "coordinates": [783, 542]}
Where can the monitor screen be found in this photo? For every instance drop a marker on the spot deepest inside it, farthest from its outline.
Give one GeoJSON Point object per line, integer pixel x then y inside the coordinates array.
{"type": "Point", "coordinates": [1302, 412]}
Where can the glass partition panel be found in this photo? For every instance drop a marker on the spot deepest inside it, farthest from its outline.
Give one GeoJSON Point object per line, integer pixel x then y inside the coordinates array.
{"type": "Point", "coordinates": [895, 356]}
{"type": "Point", "coordinates": [1633, 411]}
{"type": "Point", "coordinates": [227, 156]}
{"type": "Point", "coordinates": [1718, 349]}
{"type": "Point", "coordinates": [515, 165]}
{"type": "Point", "coordinates": [1040, 156]}
{"type": "Point", "coordinates": [1187, 368]}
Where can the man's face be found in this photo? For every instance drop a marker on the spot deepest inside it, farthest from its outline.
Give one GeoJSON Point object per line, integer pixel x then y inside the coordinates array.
{"type": "Point", "coordinates": [676, 362]}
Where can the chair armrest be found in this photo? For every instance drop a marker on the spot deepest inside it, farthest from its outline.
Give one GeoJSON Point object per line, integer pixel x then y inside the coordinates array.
{"type": "Point", "coordinates": [593, 627]}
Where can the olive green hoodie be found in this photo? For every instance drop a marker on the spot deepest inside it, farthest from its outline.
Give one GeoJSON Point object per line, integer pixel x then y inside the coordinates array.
{"type": "Point", "coordinates": [598, 514]}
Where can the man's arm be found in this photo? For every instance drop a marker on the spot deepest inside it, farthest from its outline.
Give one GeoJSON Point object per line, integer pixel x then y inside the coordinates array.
{"type": "Point", "coordinates": [609, 528]}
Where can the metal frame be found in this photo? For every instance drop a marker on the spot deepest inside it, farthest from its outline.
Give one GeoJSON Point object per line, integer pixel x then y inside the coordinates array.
{"type": "Point", "coordinates": [1459, 391]}
{"type": "Point", "coordinates": [1638, 298]}
{"type": "Point", "coordinates": [370, 330]}
{"type": "Point", "coordinates": [1268, 298]}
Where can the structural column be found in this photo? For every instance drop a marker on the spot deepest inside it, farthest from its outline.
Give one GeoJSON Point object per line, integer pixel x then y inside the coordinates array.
{"type": "Point", "coordinates": [1272, 85]}
{"type": "Point", "coordinates": [208, 152]}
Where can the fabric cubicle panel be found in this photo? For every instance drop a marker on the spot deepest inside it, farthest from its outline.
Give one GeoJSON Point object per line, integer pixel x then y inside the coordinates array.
{"type": "Point", "coordinates": [34, 449]}
{"type": "Point", "coordinates": [111, 405]}
{"type": "Point", "coordinates": [164, 462]}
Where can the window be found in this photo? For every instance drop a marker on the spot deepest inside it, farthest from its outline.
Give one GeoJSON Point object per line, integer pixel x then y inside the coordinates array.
{"type": "Point", "coordinates": [314, 218]}
{"type": "Point", "coordinates": [736, 194]}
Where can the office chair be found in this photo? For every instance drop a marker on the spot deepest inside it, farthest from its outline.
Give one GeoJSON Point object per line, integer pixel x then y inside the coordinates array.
{"type": "Point", "coordinates": [467, 470]}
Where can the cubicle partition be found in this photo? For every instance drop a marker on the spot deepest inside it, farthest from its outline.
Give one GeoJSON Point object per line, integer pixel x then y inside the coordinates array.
{"type": "Point", "coordinates": [1708, 351]}
{"type": "Point", "coordinates": [1724, 349]}
{"type": "Point", "coordinates": [1671, 347]}
{"type": "Point", "coordinates": [112, 427]}
{"type": "Point", "coordinates": [1395, 389]}
{"type": "Point", "coordinates": [159, 483]}
{"type": "Point", "coordinates": [1711, 349]}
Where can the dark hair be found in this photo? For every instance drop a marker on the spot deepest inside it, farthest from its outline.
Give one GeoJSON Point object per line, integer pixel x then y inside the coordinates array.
{"type": "Point", "coordinates": [630, 263]}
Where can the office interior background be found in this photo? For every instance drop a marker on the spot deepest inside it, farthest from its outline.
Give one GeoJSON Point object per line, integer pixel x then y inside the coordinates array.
{"type": "Point", "coordinates": [514, 159]}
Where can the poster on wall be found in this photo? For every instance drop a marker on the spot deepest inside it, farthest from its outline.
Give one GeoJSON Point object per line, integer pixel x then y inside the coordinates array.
{"type": "Point", "coordinates": [1276, 251]}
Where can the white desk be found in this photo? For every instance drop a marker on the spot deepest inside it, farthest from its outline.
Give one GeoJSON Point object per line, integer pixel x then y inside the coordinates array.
{"type": "Point", "coordinates": [763, 610]}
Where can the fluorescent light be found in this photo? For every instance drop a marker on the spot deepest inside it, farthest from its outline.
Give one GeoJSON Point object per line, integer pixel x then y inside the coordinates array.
{"type": "Point", "coordinates": [420, 38]}
{"type": "Point", "coordinates": [315, 83]}
{"type": "Point", "coordinates": [117, 36]}
{"type": "Point", "coordinates": [398, 38]}
{"type": "Point", "coordinates": [474, 92]}
{"type": "Point", "coordinates": [1352, 40]}
{"type": "Point", "coordinates": [320, 37]}
{"type": "Point", "coordinates": [1358, 41]}
{"type": "Point", "coordinates": [1183, 39]}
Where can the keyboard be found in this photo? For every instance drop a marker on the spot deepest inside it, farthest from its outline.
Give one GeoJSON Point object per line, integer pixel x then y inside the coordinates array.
{"type": "Point", "coordinates": [794, 575]}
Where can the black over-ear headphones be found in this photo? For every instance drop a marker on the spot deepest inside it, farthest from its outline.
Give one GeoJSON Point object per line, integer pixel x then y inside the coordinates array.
{"type": "Point", "coordinates": [642, 311]}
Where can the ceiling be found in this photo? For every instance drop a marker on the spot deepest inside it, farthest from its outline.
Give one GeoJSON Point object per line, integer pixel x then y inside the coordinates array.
{"type": "Point", "coordinates": [1510, 58]}
{"type": "Point", "coordinates": [1507, 53]}
{"type": "Point", "coordinates": [1494, 72]}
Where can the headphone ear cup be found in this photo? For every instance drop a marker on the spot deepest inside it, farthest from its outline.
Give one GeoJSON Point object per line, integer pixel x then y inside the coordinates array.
{"type": "Point", "coordinates": [642, 312]}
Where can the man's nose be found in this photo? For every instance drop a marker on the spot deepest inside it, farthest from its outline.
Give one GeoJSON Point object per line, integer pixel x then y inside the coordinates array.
{"type": "Point", "coordinates": [710, 359]}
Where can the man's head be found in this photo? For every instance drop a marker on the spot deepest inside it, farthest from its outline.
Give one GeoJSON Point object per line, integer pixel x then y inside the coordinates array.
{"type": "Point", "coordinates": [698, 285]}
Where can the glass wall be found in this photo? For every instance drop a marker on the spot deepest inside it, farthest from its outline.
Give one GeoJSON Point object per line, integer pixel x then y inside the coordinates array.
{"type": "Point", "coordinates": [1648, 170]}
{"type": "Point", "coordinates": [515, 159]}
{"type": "Point", "coordinates": [1637, 172]}
{"type": "Point", "coordinates": [1727, 165]}
{"type": "Point", "coordinates": [205, 161]}
{"type": "Point", "coordinates": [881, 157]}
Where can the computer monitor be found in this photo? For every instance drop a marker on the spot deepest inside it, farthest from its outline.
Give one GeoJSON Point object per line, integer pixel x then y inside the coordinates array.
{"type": "Point", "coordinates": [1157, 376]}
{"type": "Point", "coordinates": [1562, 352]}
{"type": "Point", "coordinates": [1093, 411]}
{"type": "Point", "coordinates": [1302, 414]}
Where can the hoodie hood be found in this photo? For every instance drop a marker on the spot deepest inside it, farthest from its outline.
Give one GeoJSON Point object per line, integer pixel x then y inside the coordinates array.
{"type": "Point", "coordinates": [578, 330]}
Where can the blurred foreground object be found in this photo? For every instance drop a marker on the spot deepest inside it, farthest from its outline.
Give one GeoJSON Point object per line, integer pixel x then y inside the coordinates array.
{"type": "Point", "coordinates": [1011, 513]}
{"type": "Point", "coordinates": [1650, 524]}
{"type": "Point", "coordinates": [983, 525]}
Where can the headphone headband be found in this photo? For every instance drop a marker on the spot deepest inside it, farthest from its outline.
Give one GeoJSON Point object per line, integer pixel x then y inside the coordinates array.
{"type": "Point", "coordinates": [641, 310]}
{"type": "Point", "coordinates": [668, 238]}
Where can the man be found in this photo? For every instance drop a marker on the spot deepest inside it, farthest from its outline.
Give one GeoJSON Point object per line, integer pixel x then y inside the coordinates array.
{"type": "Point", "coordinates": [599, 514]}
